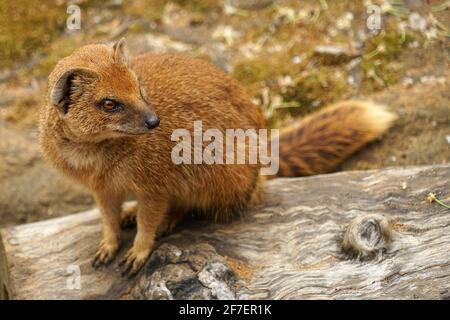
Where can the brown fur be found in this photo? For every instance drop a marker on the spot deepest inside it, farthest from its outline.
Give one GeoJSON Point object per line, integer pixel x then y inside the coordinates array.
{"type": "Point", "coordinates": [117, 157]}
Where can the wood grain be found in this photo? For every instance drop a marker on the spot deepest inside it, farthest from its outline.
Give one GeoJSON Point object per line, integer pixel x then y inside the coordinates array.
{"type": "Point", "coordinates": [289, 248]}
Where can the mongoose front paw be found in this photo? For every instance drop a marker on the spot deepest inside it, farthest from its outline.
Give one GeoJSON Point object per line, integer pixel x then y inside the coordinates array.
{"type": "Point", "coordinates": [105, 253]}
{"type": "Point", "coordinates": [133, 261]}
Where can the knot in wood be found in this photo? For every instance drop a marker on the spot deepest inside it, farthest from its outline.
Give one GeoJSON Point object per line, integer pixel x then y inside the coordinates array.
{"type": "Point", "coordinates": [367, 236]}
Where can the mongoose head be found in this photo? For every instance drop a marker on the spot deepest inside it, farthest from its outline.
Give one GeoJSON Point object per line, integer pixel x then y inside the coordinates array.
{"type": "Point", "coordinates": [98, 96]}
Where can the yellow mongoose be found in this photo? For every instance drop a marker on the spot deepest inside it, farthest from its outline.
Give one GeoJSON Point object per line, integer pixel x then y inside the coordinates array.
{"type": "Point", "coordinates": [101, 126]}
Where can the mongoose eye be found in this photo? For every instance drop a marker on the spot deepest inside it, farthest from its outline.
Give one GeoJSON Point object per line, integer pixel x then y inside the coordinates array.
{"type": "Point", "coordinates": [109, 105]}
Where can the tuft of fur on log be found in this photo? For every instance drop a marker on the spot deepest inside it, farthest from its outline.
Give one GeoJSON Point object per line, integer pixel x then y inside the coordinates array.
{"type": "Point", "coordinates": [298, 245]}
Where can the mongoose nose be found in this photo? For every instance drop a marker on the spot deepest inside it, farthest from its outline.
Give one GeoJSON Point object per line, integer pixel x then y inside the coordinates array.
{"type": "Point", "coordinates": [152, 121]}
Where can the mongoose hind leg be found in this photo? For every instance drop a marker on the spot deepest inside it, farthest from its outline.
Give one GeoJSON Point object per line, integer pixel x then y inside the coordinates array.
{"type": "Point", "coordinates": [129, 213]}
{"type": "Point", "coordinates": [169, 223]}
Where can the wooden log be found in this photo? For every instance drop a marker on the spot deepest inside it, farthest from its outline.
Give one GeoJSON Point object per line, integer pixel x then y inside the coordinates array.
{"type": "Point", "coordinates": [396, 246]}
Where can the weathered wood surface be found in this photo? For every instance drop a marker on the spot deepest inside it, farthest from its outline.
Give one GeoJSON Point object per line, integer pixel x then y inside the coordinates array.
{"type": "Point", "coordinates": [289, 248]}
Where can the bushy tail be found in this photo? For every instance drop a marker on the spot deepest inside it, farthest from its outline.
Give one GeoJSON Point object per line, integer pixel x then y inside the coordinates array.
{"type": "Point", "coordinates": [322, 141]}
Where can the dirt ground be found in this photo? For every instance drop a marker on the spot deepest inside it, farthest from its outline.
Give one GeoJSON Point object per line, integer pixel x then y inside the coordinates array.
{"type": "Point", "coordinates": [421, 133]}
{"type": "Point", "coordinates": [271, 47]}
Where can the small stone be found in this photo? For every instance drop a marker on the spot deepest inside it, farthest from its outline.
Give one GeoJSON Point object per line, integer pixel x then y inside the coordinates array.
{"type": "Point", "coordinates": [250, 4]}
{"type": "Point", "coordinates": [329, 50]}
{"type": "Point", "coordinates": [432, 33]}
{"type": "Point", "coordinates": [285, 81]}
{"type": "Point", "coordinates": [297, 60]}
{"type": "Point", "coordinates": [408, 81]}
{"type": "Point", "coordinates": [316, 103]}
{"type": "Point", "coordinates": [432, 79]}
{"type": "Point", "coordinates": [345, 22]}
{"type": "Point", "coordinates": [417, 22]}
{"type": "Point", "coordinates": [226, 34]}
{"type": "Point", "coordinates": [329, 54]}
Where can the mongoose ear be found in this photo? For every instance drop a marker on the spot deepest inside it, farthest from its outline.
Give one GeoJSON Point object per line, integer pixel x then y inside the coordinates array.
{"type": "Point", "coordinates": [68, 83]}
{"type": "Point", "coordinates": [121, 52]}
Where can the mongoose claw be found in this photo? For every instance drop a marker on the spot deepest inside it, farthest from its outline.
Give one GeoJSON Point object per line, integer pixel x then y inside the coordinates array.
{"type": "Point", "coordinates": [105, 254]}
{"type": "Point", "coordinates": [133, 262]}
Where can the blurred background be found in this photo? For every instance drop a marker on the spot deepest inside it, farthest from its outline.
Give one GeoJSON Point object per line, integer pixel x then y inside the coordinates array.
{"type": "Point", "coordinates": [293, 57]}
